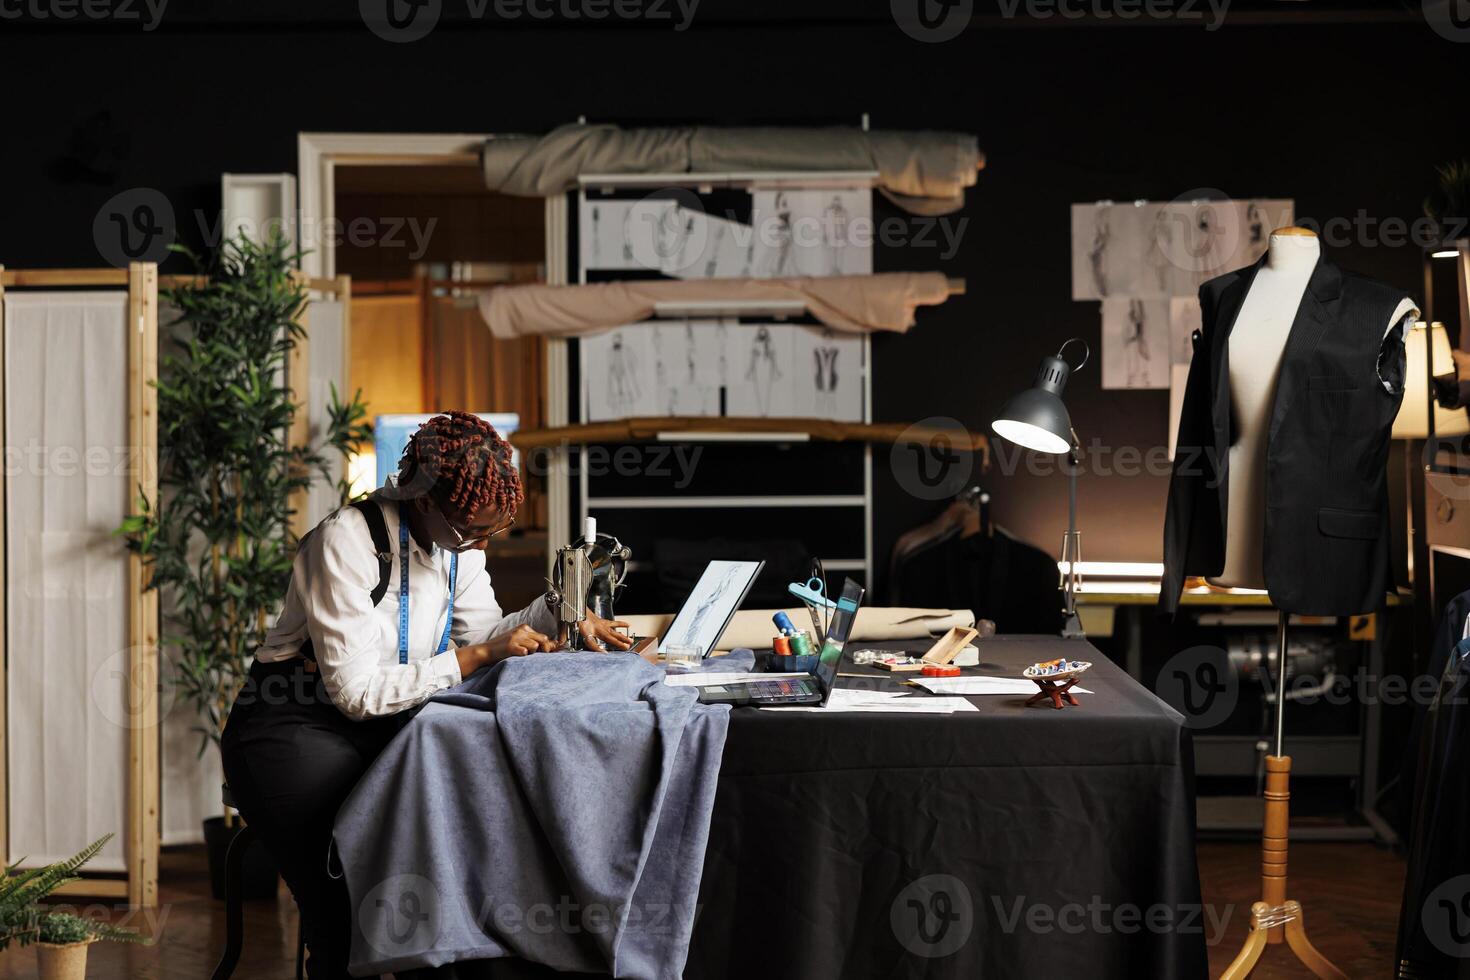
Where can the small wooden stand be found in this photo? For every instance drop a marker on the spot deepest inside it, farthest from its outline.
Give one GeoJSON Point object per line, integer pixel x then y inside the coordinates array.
{"type": "Point", "coordinates": [944, 650]}
{"type": "Point", "coordinates": [1059, 691]}
{"type": "Point", "coordinates": [1275, 917]}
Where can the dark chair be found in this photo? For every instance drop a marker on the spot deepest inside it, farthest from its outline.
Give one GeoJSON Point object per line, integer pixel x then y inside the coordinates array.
{"type": "Point", "coordinates": [235, 902]}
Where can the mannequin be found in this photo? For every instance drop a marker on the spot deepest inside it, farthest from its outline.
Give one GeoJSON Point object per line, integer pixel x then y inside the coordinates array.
{"type": "Point", "coordinates": [1257, 342]}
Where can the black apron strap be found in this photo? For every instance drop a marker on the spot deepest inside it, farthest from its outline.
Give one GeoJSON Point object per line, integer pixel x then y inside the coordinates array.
{"type": "Point", "coordinates": [372, 512]}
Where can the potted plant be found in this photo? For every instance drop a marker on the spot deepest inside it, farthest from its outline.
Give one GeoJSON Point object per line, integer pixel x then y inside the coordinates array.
{"type": "Point", "coordinates": [61, 938]}
{"type": "Point", "coordinates": [218, 540]}
{"type": "Point", "coordinates": [1449, 204]}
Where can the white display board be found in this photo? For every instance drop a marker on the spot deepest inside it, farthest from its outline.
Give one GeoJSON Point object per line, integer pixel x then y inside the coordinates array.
{"type": "Point", "coordinates": [69, 478]}
{"type": "Point", "coordinates": [723, 368]}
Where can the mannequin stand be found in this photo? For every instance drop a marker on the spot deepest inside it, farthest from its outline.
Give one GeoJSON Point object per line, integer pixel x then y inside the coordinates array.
{"type": "Point", "coordinates": [1276, 918]}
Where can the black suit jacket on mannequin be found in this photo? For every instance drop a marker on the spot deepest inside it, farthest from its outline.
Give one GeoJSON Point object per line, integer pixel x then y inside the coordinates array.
{"type": "Point", "coordinates": [1338, 390]}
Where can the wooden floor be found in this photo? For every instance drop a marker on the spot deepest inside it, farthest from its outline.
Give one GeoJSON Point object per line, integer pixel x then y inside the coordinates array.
{"type": "Point", "coordinates": [1350, 891]}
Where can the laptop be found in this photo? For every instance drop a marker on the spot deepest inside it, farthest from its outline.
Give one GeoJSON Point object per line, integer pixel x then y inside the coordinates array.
{"type": "Point", "coordinates": [814, 689]}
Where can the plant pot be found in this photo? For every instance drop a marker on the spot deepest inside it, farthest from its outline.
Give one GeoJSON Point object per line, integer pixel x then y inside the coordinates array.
{"type": "Point", "coordinates": [65, 962]}
{"type": "Point", "coordinates": [257, 871]}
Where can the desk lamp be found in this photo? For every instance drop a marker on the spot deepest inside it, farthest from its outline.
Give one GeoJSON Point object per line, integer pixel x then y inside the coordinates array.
{"type": "Point", "coordinates": [1037, 419]}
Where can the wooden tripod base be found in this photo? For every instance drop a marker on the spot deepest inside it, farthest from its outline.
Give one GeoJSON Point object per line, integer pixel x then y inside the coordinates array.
{"type": "Point", "coordinates": [1276, 918]}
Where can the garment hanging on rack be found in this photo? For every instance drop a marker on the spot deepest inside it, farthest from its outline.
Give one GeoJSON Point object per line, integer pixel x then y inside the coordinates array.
{"type": "Point", "coordinates": [1432, 925]}
{"type": "Point", "coordinates": [951, 562]}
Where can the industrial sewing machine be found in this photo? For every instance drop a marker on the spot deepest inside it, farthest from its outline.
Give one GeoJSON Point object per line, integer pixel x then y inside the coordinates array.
{"type": "Point", "coordinates": [587, 576]}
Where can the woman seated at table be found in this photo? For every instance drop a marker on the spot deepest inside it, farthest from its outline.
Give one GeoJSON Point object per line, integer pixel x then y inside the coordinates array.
{"type": "Point", "coordinates": [348, 657]}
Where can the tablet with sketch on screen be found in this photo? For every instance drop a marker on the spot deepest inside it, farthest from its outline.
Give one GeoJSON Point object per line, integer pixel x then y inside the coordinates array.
{"type": "Point", "coordinates": [719, 592]}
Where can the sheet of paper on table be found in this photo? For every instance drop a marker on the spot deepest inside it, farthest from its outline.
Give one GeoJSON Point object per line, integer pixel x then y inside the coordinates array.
{"type": "Point", "coordinates": [889, 702]}
{"type": "Point", "coordinates": [982, 685]}
{"type": "Point", "coordinates": [708, 678]}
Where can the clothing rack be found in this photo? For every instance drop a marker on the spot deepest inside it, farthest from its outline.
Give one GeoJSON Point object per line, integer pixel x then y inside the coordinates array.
{"type": "Point", "coordinates": [139, 885]}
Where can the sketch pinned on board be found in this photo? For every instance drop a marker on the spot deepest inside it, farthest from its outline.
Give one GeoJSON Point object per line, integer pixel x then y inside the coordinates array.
{"type": "Point", "coordinates": [708, 247]}
{"type": "Point", "coordinates": [1135, 342]}
{"type": "Point", "coordinates": [1150, 249]}
{"type": "Point", "coordinates": [603, 243]}
{"type": "Point", "coordinates": [832, 387]}
{"type": "Point", "coordinates": [760, 358]}
{"type": "Point", "coordinates": [635, 235]}
{"type": "Point", "coordinates": [617, 374]}
{"type": "Point", "coordinates": [811, 233]}
{"type": "Point", "coordinates": [1184, 320]}
{"type": "Point", "coordinates": [691, 360]}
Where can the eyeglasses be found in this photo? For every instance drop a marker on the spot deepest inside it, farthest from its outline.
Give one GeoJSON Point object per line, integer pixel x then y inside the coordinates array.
{"type": "Point", "coordinates": [463, 539]}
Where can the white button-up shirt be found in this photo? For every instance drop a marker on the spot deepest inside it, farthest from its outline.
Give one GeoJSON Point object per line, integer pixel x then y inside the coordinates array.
{"type": "Point", "coordinates": [356, 644]}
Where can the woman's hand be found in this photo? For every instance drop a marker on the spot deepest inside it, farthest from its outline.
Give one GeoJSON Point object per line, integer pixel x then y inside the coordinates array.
{"type": "Point", "coordinates": [516, 643]}
{"type": "Point", "coordinates": [599, 633]}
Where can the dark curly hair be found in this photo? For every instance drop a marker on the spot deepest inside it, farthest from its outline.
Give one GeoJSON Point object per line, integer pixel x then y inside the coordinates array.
{"type": "Point", "coordinates": [462, 464]}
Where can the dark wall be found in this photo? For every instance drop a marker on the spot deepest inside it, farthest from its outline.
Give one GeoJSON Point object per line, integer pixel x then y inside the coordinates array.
{"type": "Point", "coordinates": [1343, 119]}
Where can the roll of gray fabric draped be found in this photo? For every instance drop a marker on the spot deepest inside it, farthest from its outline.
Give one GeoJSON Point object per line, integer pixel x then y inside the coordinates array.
{"type": "Point", "coordinates": [924, 172]}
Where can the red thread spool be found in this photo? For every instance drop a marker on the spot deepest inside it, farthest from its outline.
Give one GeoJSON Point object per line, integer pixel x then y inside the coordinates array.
{"type": "Point", "coordinates": [940, 670]}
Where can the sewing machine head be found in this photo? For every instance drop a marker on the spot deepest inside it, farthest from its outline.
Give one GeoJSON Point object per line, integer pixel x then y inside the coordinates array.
{"type": "Point", "coordinates": [586, 577]}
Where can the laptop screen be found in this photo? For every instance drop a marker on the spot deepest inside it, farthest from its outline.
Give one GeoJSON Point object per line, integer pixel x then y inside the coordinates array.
{"type": "Point", "coordinates": [837, 633]}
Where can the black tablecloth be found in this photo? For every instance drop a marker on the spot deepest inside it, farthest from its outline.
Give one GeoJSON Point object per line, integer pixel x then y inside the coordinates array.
{"type": "Point", "coordinates": [1005, 842]}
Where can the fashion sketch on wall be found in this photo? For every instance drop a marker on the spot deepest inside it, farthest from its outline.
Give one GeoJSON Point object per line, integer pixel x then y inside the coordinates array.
{"type": "Point", "coordinates": [689, 351]}
{"type": "Point", "coordinates": [634, 235]}
{"type": "Point", "coordinates": [832, 387]}
{"type": "Point", "coordinates": [1135, 342]}
{"type": "Point", "coordinates": [1184, 320]}
{"type": "Point", "coordinates": [1161, 249]}
{"type": "Point", "coordinates": [811, 233]}
{"type": "Point", "coordinates": [618, 374]}
{"type": "Point", "coordinates": [763, 378]}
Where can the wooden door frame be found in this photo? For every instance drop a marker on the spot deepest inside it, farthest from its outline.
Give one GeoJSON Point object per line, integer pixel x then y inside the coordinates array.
{"type": "Point", "coordinates": [318, 157]}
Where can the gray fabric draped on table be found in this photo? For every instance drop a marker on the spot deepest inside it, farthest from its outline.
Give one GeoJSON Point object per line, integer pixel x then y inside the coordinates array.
{"type": "Point", "coordinates": [924, 172]}
{"type": "Point", "coordinates": [554, 808]}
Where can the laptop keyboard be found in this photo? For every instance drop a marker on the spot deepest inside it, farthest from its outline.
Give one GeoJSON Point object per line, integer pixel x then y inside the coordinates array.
{"type": "Point", "coordinates": [792, 689]}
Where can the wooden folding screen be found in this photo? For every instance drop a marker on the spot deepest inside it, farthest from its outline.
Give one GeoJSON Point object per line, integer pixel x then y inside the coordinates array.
{"type": "Point", "coordinates": [135, 668]}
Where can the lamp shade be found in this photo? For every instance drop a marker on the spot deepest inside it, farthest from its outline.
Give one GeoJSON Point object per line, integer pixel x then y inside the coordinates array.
{"type": "Point", "coordinates": [1412, 421]}
{"type": "Point", "coordinates": [1037, 418]}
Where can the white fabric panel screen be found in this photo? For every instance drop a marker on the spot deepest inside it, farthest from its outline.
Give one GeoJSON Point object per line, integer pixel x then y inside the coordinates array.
{"type": "Point", "coordinates": [68, 484]}
{"type": "Point", "coordinates": [324, 368]}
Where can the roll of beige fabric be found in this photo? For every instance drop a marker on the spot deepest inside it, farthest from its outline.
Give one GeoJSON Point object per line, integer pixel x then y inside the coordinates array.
{"type": "Point", "coordinates": [753, 627]}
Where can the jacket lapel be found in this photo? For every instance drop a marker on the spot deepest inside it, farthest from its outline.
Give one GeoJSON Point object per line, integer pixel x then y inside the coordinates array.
{"type": "Point", "coordinates": [1318, 306]}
